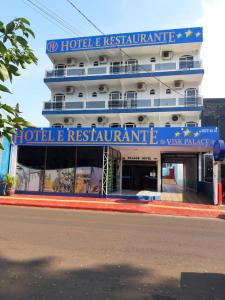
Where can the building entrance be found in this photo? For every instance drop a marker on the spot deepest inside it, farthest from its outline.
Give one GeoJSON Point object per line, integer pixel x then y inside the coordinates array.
{"type": "Point", "coordinates": [139, 175]}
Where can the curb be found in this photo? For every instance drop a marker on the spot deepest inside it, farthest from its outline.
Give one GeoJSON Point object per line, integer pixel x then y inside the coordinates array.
{"type": "Point", "coordinates": [112, 205]}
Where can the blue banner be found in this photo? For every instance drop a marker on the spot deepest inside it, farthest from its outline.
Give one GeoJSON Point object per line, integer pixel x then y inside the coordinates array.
{"type": "Point", "coordinates": [124, 40]}
{"type": "Point", "coordinates": [203, 137]}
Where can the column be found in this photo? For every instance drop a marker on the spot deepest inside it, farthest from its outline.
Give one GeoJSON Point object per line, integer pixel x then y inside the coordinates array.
{"type": "Point", "coordinates": [159, 174]}
{"type": "Point", "coordinates": [13, 160]}
{"type": "Point", "coordinates": [216, 180]}
{"type": "Point", "coordinates": [200, 167]}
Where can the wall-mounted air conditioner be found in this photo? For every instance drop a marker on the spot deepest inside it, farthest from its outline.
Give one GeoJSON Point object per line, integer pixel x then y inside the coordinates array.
{"type": "Point", "coordinates": [142, 119]}
{"type": "Point", "coordinates": [70, 90]}
{"type": "Point", "coordinates": [176, 118]}
{"type": "Point", "coordinates": [68, 121]}
{"type": "Point", "coordinates": [178, 84]}
{"type": "Point", "coordinates": [167, 55]}
{"type": "Point", "coordinates": [103, 88]}
{"type": "Point", "coordinates": [103, 59]}
{"type": "Point", "coordinates": [102, 120]}
{"type": "Point", "coordinates": [71, 61]}
{"type": "Point", "coordinates": [141, 86]}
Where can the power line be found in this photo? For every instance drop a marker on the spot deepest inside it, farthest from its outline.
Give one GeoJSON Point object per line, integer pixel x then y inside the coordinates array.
{"type": "Point", "coordinates": [102, 33]}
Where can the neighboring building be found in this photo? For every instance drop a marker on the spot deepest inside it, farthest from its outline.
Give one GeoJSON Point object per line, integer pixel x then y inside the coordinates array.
{"type": "Point", "coordinates": [213, 114]}
{"type": "Point", "coordinates": [135, 98]}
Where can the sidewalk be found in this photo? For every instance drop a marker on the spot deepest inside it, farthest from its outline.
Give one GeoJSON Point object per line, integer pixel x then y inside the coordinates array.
{"type": "Point", "coordinates": [117, 205]}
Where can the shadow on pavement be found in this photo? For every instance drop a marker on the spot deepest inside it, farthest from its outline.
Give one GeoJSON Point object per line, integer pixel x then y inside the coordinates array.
{"type": "Point", "coordinates": [34, 280]}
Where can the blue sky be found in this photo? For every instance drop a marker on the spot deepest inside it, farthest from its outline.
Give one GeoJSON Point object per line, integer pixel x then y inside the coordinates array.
{"type": "Point", "coordinates": [112, 16]}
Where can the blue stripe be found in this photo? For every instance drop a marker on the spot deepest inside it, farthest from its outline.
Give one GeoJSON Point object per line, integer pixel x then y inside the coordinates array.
{"type": "Point", "coordinates": [117, 111]}
{"type": "Point", "coordinates": [120, 76]}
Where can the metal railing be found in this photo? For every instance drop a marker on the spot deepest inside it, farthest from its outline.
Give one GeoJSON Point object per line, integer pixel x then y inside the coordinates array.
{"type": "Point", "coordinates": [123, 104]}
{"type": "Point", "coordinates": [123, 69]}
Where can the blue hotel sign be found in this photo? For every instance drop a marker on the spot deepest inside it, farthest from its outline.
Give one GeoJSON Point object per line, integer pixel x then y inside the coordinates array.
{"type": "Point", "coordinates": [157, 136]}
{"type": "Point", "coordinates": [124, 40]}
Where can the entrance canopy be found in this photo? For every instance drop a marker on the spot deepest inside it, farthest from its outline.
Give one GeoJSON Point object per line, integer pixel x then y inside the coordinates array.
{"type": "Point", "coordinates": [201, 138]}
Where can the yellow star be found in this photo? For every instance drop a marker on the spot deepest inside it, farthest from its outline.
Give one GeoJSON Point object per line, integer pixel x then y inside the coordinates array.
{"type": "Point", "coordinates": [179, 35]}
{"type": "Point", "coordinates": [177, 134]}
{"type": "Point", "coordinates": [188, 33]}
{"type": "Point", "coordinates": [198, 34]}
{"type": "Point", "coordinates": [187, 132]}
{"type": "Point", "coordinates": [196, 134]}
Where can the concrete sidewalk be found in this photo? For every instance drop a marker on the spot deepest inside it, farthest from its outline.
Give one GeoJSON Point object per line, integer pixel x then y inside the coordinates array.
{"type": "Point", "coordinates": [117, 205]}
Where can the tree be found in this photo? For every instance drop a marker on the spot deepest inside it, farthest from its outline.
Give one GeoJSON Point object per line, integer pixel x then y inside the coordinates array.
{"type": "Point", "coordinates": [15, 53]}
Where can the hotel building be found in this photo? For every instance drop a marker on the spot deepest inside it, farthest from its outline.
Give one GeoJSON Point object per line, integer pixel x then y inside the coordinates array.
{"type": "Point", "coordinates": [124, 117]}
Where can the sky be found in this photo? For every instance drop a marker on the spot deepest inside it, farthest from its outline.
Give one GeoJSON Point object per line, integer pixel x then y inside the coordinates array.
{"type": "Point", "coordinates": [113, 16]}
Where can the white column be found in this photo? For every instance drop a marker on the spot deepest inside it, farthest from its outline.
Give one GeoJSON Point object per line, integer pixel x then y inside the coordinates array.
{"type": "Point", "coordinates": [216, 180]}
{"type": "Point", "coordinates": [200, 167]}
{"type": "Point", "coordinates": [159, 173]}
{"type": "Point", "coordinates": [13, 160]}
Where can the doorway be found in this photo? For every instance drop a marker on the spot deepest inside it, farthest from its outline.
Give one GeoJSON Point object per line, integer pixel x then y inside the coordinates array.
{"type": "Point", "coordinates": [139, 175]}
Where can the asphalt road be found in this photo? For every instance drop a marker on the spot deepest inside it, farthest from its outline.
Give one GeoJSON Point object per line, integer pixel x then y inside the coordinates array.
{"type": "Point", "coordinates": [67, 254]}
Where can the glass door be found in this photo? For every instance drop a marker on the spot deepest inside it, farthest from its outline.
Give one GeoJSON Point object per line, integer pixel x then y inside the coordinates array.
{"type": "Point", "coordinates": [191, 97]}
{"type": "Point", "coordinates": [131, 66]}
{"type": "Point", "coordinates": [130, 99]}
{"type": "Point", "coordinates": [186, 62]}
{"type": "Point", "coordinates": [60, 70]}
{"type": "Point", "coordinates": [116, 67]}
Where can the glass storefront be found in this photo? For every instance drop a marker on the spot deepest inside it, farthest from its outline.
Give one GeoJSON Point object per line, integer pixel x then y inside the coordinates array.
{"type": "Point", "coordinates": [59, 169]}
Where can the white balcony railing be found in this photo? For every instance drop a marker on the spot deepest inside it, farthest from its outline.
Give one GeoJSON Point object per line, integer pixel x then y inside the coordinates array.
{"type": "Point", "coordinates": [122, 104]}
{"type": "Point", "coordinates": [122, 69]}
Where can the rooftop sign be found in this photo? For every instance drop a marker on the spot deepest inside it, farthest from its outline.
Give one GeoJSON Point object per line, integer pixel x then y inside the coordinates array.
{"type": "Point", "coordinates": [125, 40]}
{"type": "Point", "coordinates": [157, 136]}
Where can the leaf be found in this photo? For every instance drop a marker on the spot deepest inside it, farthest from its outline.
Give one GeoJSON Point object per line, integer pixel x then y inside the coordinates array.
{"type": "Point", "coordinates": [9, 27]}
{"type": "Point", "coordinates": [3, 49]}
{"type": "Point", "coordinates": [31, 32]}
{"type": "Point", "coordinates": [23, 20]}
{"type": "Point", "coordinates": [21, 40]}
{"type": "Point", "coordinates": [8, 108]}
{"type": "Point", "coordinates": [3, 88]}
{"type": "Point", "coordinates": [14, 70]}
{"type": "Point", "coordinates": [4, 72]}
{"type": "Point", "coordinates": [7, 136]}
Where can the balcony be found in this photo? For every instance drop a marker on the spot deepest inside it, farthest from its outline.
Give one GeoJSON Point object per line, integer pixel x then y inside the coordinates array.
{"type": "Point", "coordinates": [122, 104]}
{"type": "Point", "coordinates": [123, 69]}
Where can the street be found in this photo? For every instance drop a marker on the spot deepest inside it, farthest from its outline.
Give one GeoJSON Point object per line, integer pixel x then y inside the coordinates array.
{"type": "Point", "coordinates": [69, 254]}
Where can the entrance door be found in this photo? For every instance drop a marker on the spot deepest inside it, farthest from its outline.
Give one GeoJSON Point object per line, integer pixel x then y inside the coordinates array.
{"type": "Point", "coordinates": [139, 175]}
{"type": "Point", "coordinates": [130, 99]}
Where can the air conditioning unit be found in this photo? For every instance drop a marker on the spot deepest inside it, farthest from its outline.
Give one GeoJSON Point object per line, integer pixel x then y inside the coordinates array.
{"type": "Point", "coordinates": [68, 121]}
{"type": "Point", "coordinates": [142, 119]}
{"type": "Point", "coordinates": [167, 55]}
{"type": "Point", "coordinates": [103, 88]}
{"type": "Point", "coordinates": [71, 61]}
{"type": "Point", "coordinates": [103, 59]}
{"type": "Point", "coordinates": [178, 84]}
{"type": "Point", "coordinates": [176, 118]}
{"type": "Point", "coordinates": [141, 86]}
{"type": "Point", "coordinates": [70, 90]}
{"type": "Point", "coordinates": [102, 120]}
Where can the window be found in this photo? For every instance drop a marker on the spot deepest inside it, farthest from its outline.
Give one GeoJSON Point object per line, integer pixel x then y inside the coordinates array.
{"type": "Point", "coordinates": [152, 92]}
{"type": "Point", "coordinates": [114, 125]}
{"type": "Point", "coordinates": [130, 98]}
{"type": "Point", "coordinates": [81, 64]}
{"type": "Point", "coordinates": [94, 94]}
{"type": "Point", "coordinates": [95, 63]}
{"type": "Point", "coordinates": [191, 124]}
{"type": "Point", "coordinates": [129, 125]}
{"type": "Point", "coordinates": [131, 65]}
{"type": "Point", "coordinates": [115, 99]}
{"type": "Point", "coordinates": [167, 124]}
{"type": "Point", "coordinates": [79, 125]}
{"type": "Point", "coordinates": [152, 59]}
{"type": "Point", "coordinates": [59, 97]}
{"type": "Point", "coordinates": [80, 95]}
{"type": "Point", "coordinates": [93, 125]}
{"type": "Point", "coordinates": [186, 62]}
{"type": "Point", "coordinates": [168, 91]}
{"type": "Point", "coordinates": [57, 125]}
{"type": "Point", "coordinates": [151, 125]}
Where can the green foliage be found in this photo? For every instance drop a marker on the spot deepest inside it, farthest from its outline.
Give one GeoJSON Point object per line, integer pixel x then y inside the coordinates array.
{"type": "Point", "coordinates": [15, 53]}
{"type": "Point", "coordinates": [9, 180]}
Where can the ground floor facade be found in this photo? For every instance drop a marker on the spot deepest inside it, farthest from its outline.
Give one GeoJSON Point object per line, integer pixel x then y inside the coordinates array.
{"type": "Point", "coordinates": [136, 163]}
